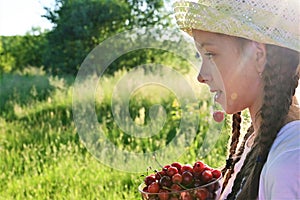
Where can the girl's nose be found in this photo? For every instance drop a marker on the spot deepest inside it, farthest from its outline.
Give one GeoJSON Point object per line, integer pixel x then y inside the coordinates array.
{"type": "Point", "coordinates": [201, 78]}
{"type": "Point", "coordinates": [204, 75]}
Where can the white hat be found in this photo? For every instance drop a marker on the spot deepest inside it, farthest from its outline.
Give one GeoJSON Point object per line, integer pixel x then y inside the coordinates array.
{"type": "Point", "coordinates": [267, 21]}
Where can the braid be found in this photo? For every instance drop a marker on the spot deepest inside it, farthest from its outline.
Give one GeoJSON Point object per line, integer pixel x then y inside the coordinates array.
{"type": "Point", "coordinates": [280, 82]}
{"type": "Point", "coordinates": [236, 127]}
{"type": "Point", "coordinates": [236, 157]}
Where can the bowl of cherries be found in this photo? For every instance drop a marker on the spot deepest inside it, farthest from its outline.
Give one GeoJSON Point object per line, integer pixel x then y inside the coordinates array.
{"type": "Point", "coordinates": [182, 182]}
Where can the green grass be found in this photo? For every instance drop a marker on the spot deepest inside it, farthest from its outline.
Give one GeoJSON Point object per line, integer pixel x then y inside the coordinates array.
{"type": "Point", "coordinates": [42, 156]}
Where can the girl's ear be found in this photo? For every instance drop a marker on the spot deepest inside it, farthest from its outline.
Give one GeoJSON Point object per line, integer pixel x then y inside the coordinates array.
{"type": "Point", "coordinates": [261, 56]}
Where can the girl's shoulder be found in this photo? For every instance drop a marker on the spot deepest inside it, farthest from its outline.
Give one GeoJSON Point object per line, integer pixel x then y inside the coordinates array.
{"type": "Point", "coordinates": [289, 131]}
{"type": "Point", "coordinates": [278, 179]}
{"type": "Point", "coordinates": [288, 139]}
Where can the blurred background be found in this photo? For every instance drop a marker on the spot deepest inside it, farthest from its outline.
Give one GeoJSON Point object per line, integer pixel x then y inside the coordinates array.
{"type": "Point", "coordinates": [42, 45]}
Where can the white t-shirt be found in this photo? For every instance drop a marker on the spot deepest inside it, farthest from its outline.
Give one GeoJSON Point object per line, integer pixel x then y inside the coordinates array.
{"type": "Point", "coordinates": [280, 176]}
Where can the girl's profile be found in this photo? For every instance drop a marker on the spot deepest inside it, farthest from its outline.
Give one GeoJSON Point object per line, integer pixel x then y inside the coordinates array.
{"type": "Point", "coordinates": [250, 60]}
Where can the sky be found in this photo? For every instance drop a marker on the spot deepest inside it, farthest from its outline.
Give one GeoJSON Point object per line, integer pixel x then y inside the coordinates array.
{"type": "Point", "coordinates": [18, 16]}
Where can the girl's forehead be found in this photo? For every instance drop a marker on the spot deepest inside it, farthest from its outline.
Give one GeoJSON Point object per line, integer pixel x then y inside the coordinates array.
{"type": "Point", "coordinates": [203, 38]}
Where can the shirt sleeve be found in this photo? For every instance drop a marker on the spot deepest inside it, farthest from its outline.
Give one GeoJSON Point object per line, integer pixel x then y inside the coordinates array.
{"type": "Point", "coordinates": [282, 177]}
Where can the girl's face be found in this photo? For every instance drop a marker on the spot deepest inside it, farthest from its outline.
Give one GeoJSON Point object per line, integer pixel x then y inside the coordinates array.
{"type": "Point", "coordinates": [231, 70]}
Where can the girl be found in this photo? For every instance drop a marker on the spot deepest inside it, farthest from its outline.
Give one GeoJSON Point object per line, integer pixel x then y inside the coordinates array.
{"type": "Point", "coordinates": [250, 53]}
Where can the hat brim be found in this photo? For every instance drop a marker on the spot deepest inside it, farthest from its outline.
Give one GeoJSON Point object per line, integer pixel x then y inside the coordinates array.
{"type": "Point", "coordinates": [191, 15]}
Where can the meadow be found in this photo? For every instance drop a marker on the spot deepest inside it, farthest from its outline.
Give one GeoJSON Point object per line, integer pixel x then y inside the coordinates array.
{"type": "Point", "coordinates": [43, 157]}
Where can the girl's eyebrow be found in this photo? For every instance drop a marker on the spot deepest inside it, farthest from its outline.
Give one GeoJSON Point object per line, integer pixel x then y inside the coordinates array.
{"type": "Point", "coordinates": [206, 44]}
{"type": "Point", "coordinates": [201, 45]}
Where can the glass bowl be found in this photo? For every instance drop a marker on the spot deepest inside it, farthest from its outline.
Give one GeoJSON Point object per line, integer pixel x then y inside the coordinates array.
{"type": "Point", "coordinates": [210, 191]}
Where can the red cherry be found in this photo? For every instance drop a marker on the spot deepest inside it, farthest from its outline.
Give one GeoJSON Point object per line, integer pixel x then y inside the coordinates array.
{"type": "Point", "coordinates": [145, 189]}
{"type": "Point", "coordinates": [177, 178]}
{"type": "Point", "coordinates": [177, 165]}
{"type": "Point", "coordinates": [197, 182]}
{"type": "Point", "coordinates": [186, 196]}
{"type": "Point", "coordinates": [187, 178]}
{"type": "Point", "coordinates": [206, 176]}
{"type": "Point", "coordinates": [202, 193]}
{"type": "Point", "coordinates": [149, 179]}
{"type": "Point", "coordinates": [165, 168]}
{"type": "Point", "coordinates": [187, 167]}
{"type": "Point", "coordinates": [165, 181]}
{"type": "Point", "coordinates": [216, 173]}
{"type": "Point", "coordinates": [218, 116]}
{"type": "Point", "coordinates": [163, 194]}
{"type": "Point", "coordinates": [172, 170]}
{"type": "Point", "coordinates": [214, 187]}
{"type": "Point", "coordinates": [160, 174]}
{"type": "Point", "coordinates": [198, 168]}
{"type": "Point", "coordinates": [153, 187]}
{"type": "Point", "coordinates": [175, 187]}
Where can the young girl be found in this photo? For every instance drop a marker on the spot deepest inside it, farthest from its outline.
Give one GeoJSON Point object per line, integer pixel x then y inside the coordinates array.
{"type": "Point", "coordinates": [250, 53]}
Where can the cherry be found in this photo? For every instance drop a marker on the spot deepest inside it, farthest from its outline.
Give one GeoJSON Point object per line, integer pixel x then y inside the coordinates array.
{"type": "Point", "coordinates": [218, 116]}
{"type": "Point", "coordinates": [160, 174]}
{"type": "Point", "coordinates": [163, 194]}
{"type": "Point", "coordinates": [197, 182]}
{"type": "Point", "coordinates": [198, 168]}
{"type": "Point", "coordinates": [165, 181]}
{"type": "Point", "coordinates": [216, 173]}
{"type": "Point", "coordinates": [202, 193]}
{"type": "Point", "coordinates": [186, 196]}
{"type": "Point", "coordinates": [165, 168]}
{"type": "Point", "coordinates": [187, 167]}
{"type": "Point", "coordinates": [153, 187]}
{"type": "Point", "coordinates": [206, 176]}
{"type": "Point", "coordinates": [177, 165]}
{"type": "Point", "coordinates": [187, 178]}
{"type": "Point", "coordinates": [177, 178]}
{"type": "Point", "coordinates": [175, 187]}
{"type": "Point", "coordinates": [171, 171]}
{"type": "Point", "coordinates": [145, 189]}
{"type": "Point", "coordinates": [149, 179]}
{"type": "Point", "coordinates": [214, 187]}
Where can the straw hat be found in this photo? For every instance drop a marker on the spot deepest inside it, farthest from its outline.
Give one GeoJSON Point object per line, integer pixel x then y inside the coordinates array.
{"type": "Point", "coordinates": [267, 21]}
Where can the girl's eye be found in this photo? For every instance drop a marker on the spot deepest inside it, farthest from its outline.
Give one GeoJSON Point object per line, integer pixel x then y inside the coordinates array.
{"type": "Point", "coordinates": [209, 55]}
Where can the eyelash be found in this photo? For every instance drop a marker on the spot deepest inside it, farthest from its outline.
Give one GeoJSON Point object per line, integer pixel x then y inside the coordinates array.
{"type": "Point", "coordinates": [209, 55]}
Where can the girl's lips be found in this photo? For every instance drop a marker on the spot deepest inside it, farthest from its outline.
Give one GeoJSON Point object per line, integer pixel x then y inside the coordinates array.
{"type": "Point", "coordinates": [217, 95]}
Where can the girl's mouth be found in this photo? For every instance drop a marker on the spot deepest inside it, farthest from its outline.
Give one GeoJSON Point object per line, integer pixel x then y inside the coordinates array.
{"type": "Point", "coordinates": [217, 95]}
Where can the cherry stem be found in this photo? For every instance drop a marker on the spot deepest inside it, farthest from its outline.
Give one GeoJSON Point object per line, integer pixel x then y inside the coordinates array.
{"type": "Point", "coordinates": [154, 156]}
{"type": "Point", "coordinates": [182, 186]}
{"type": "Point", "coordinates": [166, 188]}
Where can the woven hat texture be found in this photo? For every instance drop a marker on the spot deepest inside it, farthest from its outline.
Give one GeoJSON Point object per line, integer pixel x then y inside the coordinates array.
{"type": "Point", "coordinates": [267, 21]}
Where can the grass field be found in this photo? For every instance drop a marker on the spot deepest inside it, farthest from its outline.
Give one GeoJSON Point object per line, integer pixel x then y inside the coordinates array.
{"type": "Point", "coordinates": [42, 156]}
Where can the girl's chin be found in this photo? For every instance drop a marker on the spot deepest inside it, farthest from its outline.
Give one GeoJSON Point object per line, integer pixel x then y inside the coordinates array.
{"type": "Point", "coordinates": [228, 106]}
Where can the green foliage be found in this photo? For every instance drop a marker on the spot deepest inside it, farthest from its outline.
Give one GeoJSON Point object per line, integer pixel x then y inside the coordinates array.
{"type": "Point", "coordinates": [7, 61]}
{"type": "Point", "coordinates": [80, 25]}
{"type": "Point", "coordinates": [42, 156]}
{"type": "Point", "coordinates": [20, 52]}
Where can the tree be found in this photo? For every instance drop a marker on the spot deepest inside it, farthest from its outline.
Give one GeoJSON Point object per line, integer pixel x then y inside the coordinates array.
{"type": "Point", "coordinates": [80, 25]}
{"type": "Point", "coordinates": [7, 61]}
{"type": "Point", "coordinates": [18, 52]}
